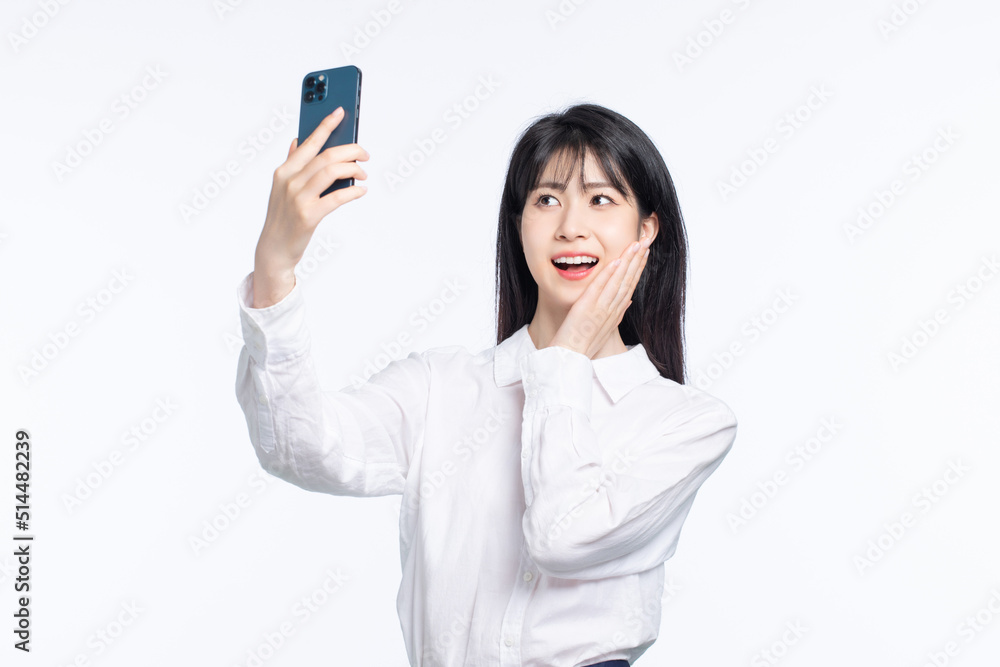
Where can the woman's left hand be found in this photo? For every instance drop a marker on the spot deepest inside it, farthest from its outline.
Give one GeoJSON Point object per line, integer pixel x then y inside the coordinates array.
{"type": "Point", "coordinates": [601, 307]}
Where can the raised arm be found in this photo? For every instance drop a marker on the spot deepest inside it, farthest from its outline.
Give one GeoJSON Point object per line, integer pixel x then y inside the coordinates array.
{"type": "Point", "coordinates": [355, 441]}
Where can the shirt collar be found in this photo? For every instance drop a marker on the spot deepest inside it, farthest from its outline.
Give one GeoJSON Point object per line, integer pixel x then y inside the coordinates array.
{"type": "Point", "coordinates": [617, 374]}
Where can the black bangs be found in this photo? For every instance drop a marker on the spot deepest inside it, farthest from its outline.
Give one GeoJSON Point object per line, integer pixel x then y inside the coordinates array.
{"type": "Point", "coordinates": [569, 146]}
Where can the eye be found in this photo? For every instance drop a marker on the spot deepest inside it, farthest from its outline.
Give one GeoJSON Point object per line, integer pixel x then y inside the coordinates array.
{"type": "Point", "coordinates": [541, 197]}
{"type": "Point", "coordinates": [597, 197]}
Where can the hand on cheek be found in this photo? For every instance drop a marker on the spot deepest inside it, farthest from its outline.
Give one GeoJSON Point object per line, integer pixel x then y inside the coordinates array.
{"type": "Point", "coordinates": [601, 307]}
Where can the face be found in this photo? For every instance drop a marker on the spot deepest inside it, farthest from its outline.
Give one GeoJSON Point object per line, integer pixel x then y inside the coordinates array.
{"type": "Point", "coordinates": [564, 217]}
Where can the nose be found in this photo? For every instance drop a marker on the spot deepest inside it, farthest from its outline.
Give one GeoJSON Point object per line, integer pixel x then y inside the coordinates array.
{"type": "Point", "coordinates": [572, 223]}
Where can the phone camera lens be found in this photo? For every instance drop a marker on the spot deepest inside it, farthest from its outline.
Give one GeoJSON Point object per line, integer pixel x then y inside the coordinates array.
{"type": "Point", "coordinates": [321, 87]}
{"type": "Point", "coordinates": [321, 96]}
{"type": "Point", "coordinates": [310, 81]}
{"type": "Point", "coordinates": [309, 96]}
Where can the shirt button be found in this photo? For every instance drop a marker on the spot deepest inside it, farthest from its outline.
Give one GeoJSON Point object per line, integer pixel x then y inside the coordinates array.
{"type": "Point", "coordinates": [532, 392]}
{"type": "Point", "coordinates": [530, 378]}
{"type": "Point", "coordinates": [525, 453]}
{"type": "Point", "coordinates": [527, 576]}
{"type": "Point", "coordinates": [262, 398]}
{"type": "Point", "coordinates": [508, 641]}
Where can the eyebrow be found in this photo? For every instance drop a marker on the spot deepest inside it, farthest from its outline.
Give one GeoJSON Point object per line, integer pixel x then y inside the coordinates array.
{"type": "Point", "coordinates": [593, 185]}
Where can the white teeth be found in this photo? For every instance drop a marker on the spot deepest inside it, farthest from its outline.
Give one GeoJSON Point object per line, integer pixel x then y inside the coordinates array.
{"type": "Point", "coordinates": [575, 260]}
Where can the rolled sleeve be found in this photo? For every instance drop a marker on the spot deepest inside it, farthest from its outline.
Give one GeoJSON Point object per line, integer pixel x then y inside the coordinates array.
{"type": "Point", "coordinates": [275, 333]}
{"type": "Point", "coordinates": [356, 441]}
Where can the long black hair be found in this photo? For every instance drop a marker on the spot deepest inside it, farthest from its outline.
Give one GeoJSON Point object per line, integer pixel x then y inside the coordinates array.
{"type": "Point", "coordinates": [633, 164]}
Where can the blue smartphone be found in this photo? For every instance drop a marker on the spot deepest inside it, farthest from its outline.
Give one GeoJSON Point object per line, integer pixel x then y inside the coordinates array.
{"type": "Point", "coordinates": [322, 92]}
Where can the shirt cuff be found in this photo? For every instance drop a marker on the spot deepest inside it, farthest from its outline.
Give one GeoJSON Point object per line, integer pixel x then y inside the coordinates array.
{"type": "Point", "coordinates": [557, 375]}
{"type": "Point", "coordinates": [277, 332]}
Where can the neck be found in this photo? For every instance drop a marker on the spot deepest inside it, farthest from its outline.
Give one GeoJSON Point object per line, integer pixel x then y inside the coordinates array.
{"type": "Point", "coordinates": [543, 327]}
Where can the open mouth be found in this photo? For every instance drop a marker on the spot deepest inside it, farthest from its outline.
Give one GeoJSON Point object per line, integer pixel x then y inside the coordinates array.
{"type": "Point", "coordinates": [574, 268]}
{"type": "Point", "coordinates": [574, 271]}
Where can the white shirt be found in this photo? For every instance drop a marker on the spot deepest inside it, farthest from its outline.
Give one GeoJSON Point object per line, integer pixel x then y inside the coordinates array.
{"type": "Point", "coordinates": [541, 490]}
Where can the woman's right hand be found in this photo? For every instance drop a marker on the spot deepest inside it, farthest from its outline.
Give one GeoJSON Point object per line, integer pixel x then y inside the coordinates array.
{"type": "Point", "coordinates": [295, 207]}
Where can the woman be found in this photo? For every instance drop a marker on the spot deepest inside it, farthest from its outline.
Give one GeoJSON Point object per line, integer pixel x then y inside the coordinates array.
{"type": "Point", "coordinates": [545, 480]}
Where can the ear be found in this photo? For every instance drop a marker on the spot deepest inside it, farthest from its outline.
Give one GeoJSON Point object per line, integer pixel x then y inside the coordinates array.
{"type": "Point", "coordinates": [650, 226]}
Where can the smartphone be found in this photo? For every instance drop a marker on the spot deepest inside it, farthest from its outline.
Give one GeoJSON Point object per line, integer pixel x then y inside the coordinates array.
{"type": "Point", "coordinates": [322, 92]}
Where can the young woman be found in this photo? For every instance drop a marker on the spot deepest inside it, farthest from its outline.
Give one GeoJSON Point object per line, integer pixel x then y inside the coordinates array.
{"type": "Point", "coordinates": [545, 480]}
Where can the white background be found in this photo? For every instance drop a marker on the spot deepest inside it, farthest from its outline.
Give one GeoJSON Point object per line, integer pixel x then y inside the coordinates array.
{"type": "Point", "coordinates": [170, 332]}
